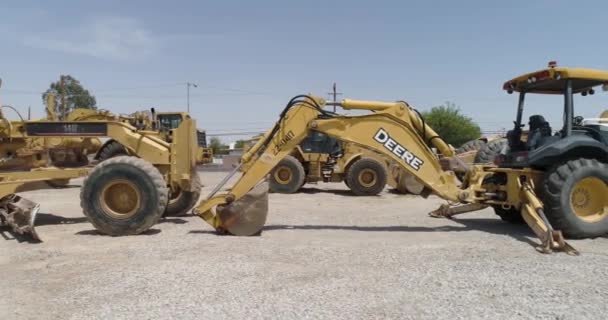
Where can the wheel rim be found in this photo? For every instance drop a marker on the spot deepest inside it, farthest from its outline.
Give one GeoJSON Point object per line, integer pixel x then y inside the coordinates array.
{"type": "Point", "coordinates": [120, 199]}
{"type": "Point", "coordinates": [367, 177]}
{"type": "Point", "coordinates": [588, 199]}
{"type": "Point", "coordinates": [282, 175]}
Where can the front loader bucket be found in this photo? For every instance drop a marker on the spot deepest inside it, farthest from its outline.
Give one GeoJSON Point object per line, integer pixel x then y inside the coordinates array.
{"type": "Point", "coordinates": [19, 214]}
{"type": "Point", "coordinates": [246, 216]}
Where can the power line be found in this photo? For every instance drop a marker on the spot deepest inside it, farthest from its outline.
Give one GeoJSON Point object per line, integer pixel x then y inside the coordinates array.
{"type": "Point", "coordinates": [223, 134]}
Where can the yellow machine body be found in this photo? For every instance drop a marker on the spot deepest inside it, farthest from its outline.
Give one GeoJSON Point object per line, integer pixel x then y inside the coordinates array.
{"type": "Point", "coordinates": [396, 131]}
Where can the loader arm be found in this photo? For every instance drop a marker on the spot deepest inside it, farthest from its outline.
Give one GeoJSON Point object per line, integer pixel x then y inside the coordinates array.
{"type": "Point", "coordinates": [393, 130]}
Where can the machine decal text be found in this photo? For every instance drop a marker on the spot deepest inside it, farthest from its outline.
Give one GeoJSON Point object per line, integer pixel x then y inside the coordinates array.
{"type": "Point", "coordinates": [398, 149]}
{"type": "Point", "coordinates": [288, 136]}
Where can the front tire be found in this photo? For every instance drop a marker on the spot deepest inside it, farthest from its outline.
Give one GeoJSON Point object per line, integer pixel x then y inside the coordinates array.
{"type": "Point", "coordinates": [575, 195]}
{"type": "Point", "coordinates": [366, 177]}
{"type": "Point", "coordinates": [124, 196]}
{"type": "Point", "coordinates": [181, 201]}
{"type": "Point", "coordinates": [288, 176]}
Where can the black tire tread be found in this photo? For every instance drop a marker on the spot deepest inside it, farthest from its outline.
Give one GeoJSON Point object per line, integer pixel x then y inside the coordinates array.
{"type": "Point", "coordinates": [110, 150]}
{"type": "Point", "coordinates": [188, 199]}
{"type": "Point", "coordinates": [552, 187]}
{"type": "Point", "coordinates": [299, 176]}
{"type": "Point", "coordinates": [159, 184]}
{"type": "Point", "coordinates": [353, 172]}
{"type": "Point", "coordinates": [490, 151]}
{"type": "Point", "coordinates": [471, 146]}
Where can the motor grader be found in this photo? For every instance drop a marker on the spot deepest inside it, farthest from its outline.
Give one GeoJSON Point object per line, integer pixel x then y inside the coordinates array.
{"type": "Point", "coordinates": [558, 184]}
{"type": "Point", "coordinates": [157, 124]}
{"type": "Point", "coordinates": [154, 123]}
{"type": "Point", "coordinates": [24, 153]}
{"type": "Point", "coordinates": [120, 196]}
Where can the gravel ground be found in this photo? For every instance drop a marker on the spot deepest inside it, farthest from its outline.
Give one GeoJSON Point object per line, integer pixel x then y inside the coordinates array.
{"type": "Point", "coordinates": [323, 254]}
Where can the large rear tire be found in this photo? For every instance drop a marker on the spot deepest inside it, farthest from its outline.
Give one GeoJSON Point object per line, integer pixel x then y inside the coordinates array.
{"type": "Point", "coordinates": [288, 176]}
{"type": "Point", "coordinates": [490, 151]}
{"type": "Point", "coordinates": [124, 196]}
{"type": "Point", "coordinates": [366, 177]}
{"type": "Point", "coordinates": [181, 202]}
{"type": "Point", "coordinates": [575, 195]}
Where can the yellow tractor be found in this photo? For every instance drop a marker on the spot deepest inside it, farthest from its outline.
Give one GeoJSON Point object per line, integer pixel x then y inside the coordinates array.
{"type": "Point", "coordinates": [120, 196]}
{"type": "Point", "coordinates": [152, 123]}
{"type": "Point", "coordinates": [557, 183]}
{"type": "Point", "coordinates": [323, 158]}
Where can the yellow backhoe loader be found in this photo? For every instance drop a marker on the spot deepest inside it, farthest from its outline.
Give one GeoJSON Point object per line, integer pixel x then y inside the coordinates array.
{"type": "Point", "coordinates": [532, 181]}
{"type": "Point", "coordinates": [120, 196]}
{"type": "Point", "coordinates": [320, 158]}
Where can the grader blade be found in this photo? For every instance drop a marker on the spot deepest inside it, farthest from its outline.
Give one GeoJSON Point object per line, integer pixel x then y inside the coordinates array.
{"type": "Point", "coordinates": [247, 215]}
{"type": "Point", "coordinates": [20, 215]}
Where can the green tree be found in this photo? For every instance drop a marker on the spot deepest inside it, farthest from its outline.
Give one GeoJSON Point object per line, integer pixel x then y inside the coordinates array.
{"type": "Point", "coordinates": [239, 144]}
{"type": "Point", "coordinates": [69, 95]}
{"type": "Point", "coordinates": [451, 125]}
{"type": "Point", "coordinates": [217, 146]}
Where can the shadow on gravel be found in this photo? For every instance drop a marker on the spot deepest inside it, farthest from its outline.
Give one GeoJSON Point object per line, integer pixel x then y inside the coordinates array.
{"type": "Point", "coordinates": [494, 226]}
{"type": "Point", "coordinates": [520, 232]}
{"type": "Point", "coordinates": [173, 220]}
{"type": "Point", "coordinates": [42, 219]}
{"type": "Point", "coordinates": [8, 234]}
{"type": "Point", "coordinates": [205, 232]}
{"type": "Point", "coordinates": [94, 232]}
{"type": "Point", "coordinates": [47, 219]}
{"type": "Point", "coordinates": [346, 193]}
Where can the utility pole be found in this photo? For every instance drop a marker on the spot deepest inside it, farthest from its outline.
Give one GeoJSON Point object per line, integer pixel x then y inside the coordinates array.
{"type": "Point", "coordinates": [188, 85]}
{"type": "Point", "coordinates": [335, 94]}
{"type": "Point", "coordinates": [29, 113]}
{"type": "Point", "coordinates": [62, 109]}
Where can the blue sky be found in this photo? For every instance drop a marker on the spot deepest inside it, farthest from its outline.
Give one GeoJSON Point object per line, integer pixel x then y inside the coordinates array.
{"type": "Point", "coordinates": [250, 57]}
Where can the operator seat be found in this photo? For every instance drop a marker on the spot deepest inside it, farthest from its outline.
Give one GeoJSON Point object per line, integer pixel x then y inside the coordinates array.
{"type": "Point", "coordinates": [539, 130]}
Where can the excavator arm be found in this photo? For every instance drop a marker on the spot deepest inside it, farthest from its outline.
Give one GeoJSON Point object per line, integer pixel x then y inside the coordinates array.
{"type": "Point", "coordinates": [396, 131]}
{"type": "Point", "coordinates": [393, 130]}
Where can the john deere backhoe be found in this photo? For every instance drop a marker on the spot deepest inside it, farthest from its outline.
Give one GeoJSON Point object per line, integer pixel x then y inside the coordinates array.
{"type": "Point", "coordinates": [320, 158]}
{"type": "Point", "coordinates": [120, 196]}
{"type": "Point", "coordinates": [554, 181]}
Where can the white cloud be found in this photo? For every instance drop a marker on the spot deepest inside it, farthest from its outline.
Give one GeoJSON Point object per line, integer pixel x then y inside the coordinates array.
{"type": "Point", "coordinates": [108, 37]}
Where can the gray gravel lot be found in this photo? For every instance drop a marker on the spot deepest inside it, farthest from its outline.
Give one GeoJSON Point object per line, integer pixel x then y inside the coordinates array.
{"type": "Point", "coordinates": [323, 254]}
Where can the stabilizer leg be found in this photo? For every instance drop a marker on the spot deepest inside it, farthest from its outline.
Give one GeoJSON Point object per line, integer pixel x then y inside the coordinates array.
{"type": "Point", "coordinates": [534, 215]}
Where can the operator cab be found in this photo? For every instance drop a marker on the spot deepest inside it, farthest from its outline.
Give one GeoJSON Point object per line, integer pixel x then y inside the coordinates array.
{"type": "Point", "coordinates": [317, 142]}
{"type": "Point", "coordinates": [541, 146]}
{"type": "Point", "coordinates": [168, 121]}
